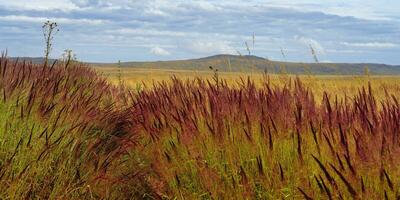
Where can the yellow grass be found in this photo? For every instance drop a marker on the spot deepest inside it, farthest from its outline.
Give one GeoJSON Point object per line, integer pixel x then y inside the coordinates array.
{"type": "Point", "coordinates": [335, 85]}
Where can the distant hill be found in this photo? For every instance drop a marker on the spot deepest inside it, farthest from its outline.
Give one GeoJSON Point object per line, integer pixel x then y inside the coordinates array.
{"type": "Point", "coordinates": [254, 63]}
{"type": "Point", "coordinates": [225, 62]}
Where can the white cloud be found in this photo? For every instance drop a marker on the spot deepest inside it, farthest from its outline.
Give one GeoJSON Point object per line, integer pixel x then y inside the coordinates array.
{"type": "Point", "coordinates": [344, 51]}
{"type": "Point", "coordinates": [147, 32]}
{"type": "Point", "coordinates": [159, 51]}
{"type": "Point", "coordinates": [210, 47]}
{"type": "Point", "coordinates": [203, 5]}
{"type": "Point", "coordinates": [39, 5]}
{"type": "Point", "coordinates": [60, 20]}
{"type": "Point", "coordinates": [371, 44]}
{"type": "Point", "coordinates": [309, 41]}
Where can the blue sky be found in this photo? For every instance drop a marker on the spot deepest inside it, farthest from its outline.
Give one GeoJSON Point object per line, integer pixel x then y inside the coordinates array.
{"type": "Point", "coordinates": [127, 30]}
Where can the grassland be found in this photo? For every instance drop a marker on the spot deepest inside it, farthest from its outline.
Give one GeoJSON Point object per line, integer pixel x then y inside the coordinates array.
{"type": "Point", "coordinates": [68, 133]}
{"type": "Point", "coordinates": [335, 84]}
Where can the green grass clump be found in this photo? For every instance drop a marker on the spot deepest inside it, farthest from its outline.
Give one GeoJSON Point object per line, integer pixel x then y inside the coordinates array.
{"type": "Point", "coordinates": [60, 129]}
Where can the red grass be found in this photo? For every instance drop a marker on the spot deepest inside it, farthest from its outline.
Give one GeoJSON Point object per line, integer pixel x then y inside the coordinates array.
{"type": "Point", "coordinates": [197, 138]}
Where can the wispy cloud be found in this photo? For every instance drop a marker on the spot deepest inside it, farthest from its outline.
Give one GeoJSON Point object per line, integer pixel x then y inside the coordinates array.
{"type": "Point", "coordinates": [146, 32]}
{"type": "Point", "coordinates": [371, 44]}
{"type": "Point", "coordinates": [38, 5]}
{"type": "Point", "coordinates": [30, 19]}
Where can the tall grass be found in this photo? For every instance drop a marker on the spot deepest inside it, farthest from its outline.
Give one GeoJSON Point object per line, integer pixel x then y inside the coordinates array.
{"type": "Point", "coordinates": [66, 133]}
{"type": "Point", "coordinates": [207, 140]}
{"type": "Point", "coordinates": [60, 131]}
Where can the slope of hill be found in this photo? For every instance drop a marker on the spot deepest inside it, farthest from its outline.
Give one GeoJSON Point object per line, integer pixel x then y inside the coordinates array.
{"type": "Point", "coordinates": [234, 63]}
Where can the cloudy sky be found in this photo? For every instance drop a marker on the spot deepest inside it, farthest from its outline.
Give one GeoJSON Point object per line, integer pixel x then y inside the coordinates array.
{"type": "Point", "coordinates": [107, 31]}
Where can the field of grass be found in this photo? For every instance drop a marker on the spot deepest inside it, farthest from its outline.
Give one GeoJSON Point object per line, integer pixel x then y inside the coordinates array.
{"type": "Point", "coordinates": [68, 133]}
{"type": "Point", "coordinates": [334, 84]}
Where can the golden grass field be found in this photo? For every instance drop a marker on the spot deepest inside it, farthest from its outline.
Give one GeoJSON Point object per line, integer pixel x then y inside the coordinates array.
{"type": "Point", "coordinates": [335, 84]}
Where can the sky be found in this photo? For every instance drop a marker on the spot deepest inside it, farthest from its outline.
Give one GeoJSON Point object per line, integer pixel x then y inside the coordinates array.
{"type": "Point", "coordinates": [148, 30]}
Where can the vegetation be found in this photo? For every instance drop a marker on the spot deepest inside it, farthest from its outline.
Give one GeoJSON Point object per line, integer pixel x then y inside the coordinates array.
{"type": "Point", "coordinates": [49, 29]}
{"type": "Point", "coordinates": [208, 140]}
{"type": "Point", "coordinates": [59, 131]}
{"type": "Point", "coordinates": [338, 85]}
{"type": "Point", "coordinates": [66, 133]}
